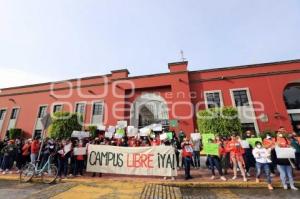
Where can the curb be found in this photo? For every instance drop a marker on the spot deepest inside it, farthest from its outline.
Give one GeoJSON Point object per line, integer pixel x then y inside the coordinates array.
{"type": "Point", "coordinates": [182, 184]}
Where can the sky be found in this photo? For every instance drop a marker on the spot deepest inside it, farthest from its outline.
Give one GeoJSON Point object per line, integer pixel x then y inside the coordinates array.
{"type": "Point", "coordinates": [50, 40]}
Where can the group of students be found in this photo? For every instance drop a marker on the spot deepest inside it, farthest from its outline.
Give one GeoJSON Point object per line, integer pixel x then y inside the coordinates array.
{"type": "Point", "coordinates": [231, 154]}
{"type": "Point", "coordinates": [262, 157]}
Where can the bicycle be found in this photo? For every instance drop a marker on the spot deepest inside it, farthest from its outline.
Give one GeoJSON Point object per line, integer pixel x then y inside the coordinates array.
{"type": "Point", "coordinates": [48, 172]}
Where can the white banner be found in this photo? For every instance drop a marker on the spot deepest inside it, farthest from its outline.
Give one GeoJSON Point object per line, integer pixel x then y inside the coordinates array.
{"type": "Point", "coordinates": [152, 161]}
{"type": "Point", "coordinates": [79, 151]}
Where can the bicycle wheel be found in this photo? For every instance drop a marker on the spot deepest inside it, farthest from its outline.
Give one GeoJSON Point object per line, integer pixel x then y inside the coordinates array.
{"type": "Point", "coordinates": [27, 172]}
{"type": "Point", "coordinates": [49, 175]}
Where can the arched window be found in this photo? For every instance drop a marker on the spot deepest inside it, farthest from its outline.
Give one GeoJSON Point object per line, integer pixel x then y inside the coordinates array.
{"type": "Point", "coordinates": [292, 96]}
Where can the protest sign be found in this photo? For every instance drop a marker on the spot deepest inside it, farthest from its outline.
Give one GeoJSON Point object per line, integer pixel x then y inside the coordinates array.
{"type": "Point", "coordinates": [101, 127]}
{"type": "Point", "coordinates": [111, 129]}
{"type": "Point", "coordinates": [206, 137]}
{"type": "Point", "coordinates": [131, 131]}
{"type": "Point", "coordinates": [79, 151]}
{"type": "Point", "coordinates": [157, 127]}
{"type": "Point", "coordinates": [169, 135]}
{"type": "Point", "coordinates": [283, 153]}
{"type": "Point", "coordinates": [245, 144]}
{"type": "Point", "coordinates": [67, 148]}
{"type": "Point", "coordinates": [163, 136]}
{"type": "Point", "coordinates": [122, 124]}
{"type": "Point", "coordinates": [149, 161]}
{"type": "Point", "coordinates": [195, 136]}
{"type": "Point", "coordinates": [211, 149]}
{"type": "Point", "coordinates": [108, 134]}
{"type": "Point", "coordinates": [252, 141]}
{"type": "Point", "coordinates": [145, 131]}
{"type": "Point", "coordinates": [80, 134]}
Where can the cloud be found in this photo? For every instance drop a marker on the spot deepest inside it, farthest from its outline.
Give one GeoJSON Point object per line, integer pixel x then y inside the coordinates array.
{"type": "Point", "coordinates": [16, 77]}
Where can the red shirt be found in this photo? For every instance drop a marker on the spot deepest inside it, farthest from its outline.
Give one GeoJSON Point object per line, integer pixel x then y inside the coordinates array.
{"type": "Point", "coordinates": [35, 146]}
{"type": "Point", "coordinates": [235, 147]}
{"type": "Point", "coordinates": [187, 151]}
{"type": "Point", "coordinates": [25, 149]}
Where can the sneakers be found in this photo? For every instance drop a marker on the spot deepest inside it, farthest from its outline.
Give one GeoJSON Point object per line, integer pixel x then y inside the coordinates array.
{"type": "Point", "coordinates": [245, 179]}
{"type": "Point", "coordinates": [270, 187]}
{"type": "Point", "coordinates": [257, 180]}
{"type": "Point", "coordinates": [165, 178]}
{"type": "Point", "coordinates": [234, 177]}
{"type": "Point", "coordinates": [294, 188]}
{"type": "Point", "coordinates": [248, 174]}
{"type": "Point", "coordinates": [212, 177]}
{"type": "Point", "coordinates": [285, 187]}
{"type": "Point", "coordinates": [10, 172]}
{"type": "Point", "coordinates": [4, 172]}
{"type": "Point", "coordinates": [223, 178]}
{"type": "Point", "coordinates": [173, 178]}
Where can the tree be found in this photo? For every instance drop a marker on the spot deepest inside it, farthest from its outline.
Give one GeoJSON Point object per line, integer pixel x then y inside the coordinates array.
{"type": "Point", "coordinates": [64, 123]}
{"type": "Point", "coordinates": [219, 121]}
{"type": "Point", "coordinates": [15, 133]}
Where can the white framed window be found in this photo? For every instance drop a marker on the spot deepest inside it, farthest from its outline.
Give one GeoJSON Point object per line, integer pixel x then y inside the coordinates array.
{"type": "Point", "coordinates": [213, 99]}
{"type": "Point", "coordinates": [80, 108]}
{"type": "Point", "coordinates": [2, 114]}
{"type": "Point", "coordinates": [42, 111]}
{"type": "Point", "coordinates": [57, 108]}
{"type": "Point", "coordinates": [14, 113]}
{"type": "Point", "coordinates": [97, 112]}
{"type": "Point", "coordinates": [13, 118]}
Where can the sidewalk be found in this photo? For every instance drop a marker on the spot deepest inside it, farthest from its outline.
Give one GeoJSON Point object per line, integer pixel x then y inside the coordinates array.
{"type": "Point", "coordinates": [201, 178]}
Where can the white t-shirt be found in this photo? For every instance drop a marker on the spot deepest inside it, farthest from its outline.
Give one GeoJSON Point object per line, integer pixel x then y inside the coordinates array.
{"type": "Point", "coordinates": [262, 155]}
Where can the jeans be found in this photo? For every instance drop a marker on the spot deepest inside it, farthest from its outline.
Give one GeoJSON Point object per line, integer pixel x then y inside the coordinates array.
{"type": "Point", "coordinates": [79, 164]}
{"type": "Point", "coordinates": [214, 161]}
{"type": "Point", "coordinates": [33, 157]}
{"type": "Point", "coordinates": [266, 168]}
{"type": "Point", "coordinates": [63, 166]}
{"type": "Point", "coordinates": [196, 156]}
{"type": "Point", "coordinates": [286, 173]}
{"type": "Point", "coordinates": [187, 166]}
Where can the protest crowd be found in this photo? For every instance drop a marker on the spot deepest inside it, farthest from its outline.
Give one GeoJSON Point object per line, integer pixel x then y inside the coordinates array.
{"type": "Point", "coordinates": [239, 153]}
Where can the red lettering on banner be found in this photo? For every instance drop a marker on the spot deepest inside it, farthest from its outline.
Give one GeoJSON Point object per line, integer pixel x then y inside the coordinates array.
{"type": "Point", "coordinates": [140, 160]}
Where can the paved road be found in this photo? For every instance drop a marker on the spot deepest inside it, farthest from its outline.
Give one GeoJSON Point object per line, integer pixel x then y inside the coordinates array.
{"type": "Point", "coordinates": [201, 193]}
{"type": "Point", "coordinates": [131, 190]}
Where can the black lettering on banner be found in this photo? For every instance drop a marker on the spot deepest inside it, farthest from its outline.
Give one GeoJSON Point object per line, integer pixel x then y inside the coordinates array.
{"type": "Point", "coordinates": [169, 161]}
{"type": "Point", "coordinates": [158, 157]}
{"type": "Point", "coordinates": [103, 156]}
{"type": "Point", "coordinates": [120, 160]}
{"type": "Point", "coordinates": [90, 158]}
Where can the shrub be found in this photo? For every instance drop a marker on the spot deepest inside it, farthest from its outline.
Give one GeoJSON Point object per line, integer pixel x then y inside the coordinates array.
{"type": "Point", "coordinates": [15, 133]}
{"type": "Point", "coordinates": [64, 123]}
{"type": "Point", "coordinates": [93, 131]}
{"type": "Point", "coordinates": [219, 121]}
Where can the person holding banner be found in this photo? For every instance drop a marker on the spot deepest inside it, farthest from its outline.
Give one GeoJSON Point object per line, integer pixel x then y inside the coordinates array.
{"type": "Point", "coordinates": [263, 159]}
{"type": "Point", "coordinates": [215, 162]}
{"type": "Point", "coordinates": [187, 155]}
{"type": "Point", "coordinates": [236, 156]}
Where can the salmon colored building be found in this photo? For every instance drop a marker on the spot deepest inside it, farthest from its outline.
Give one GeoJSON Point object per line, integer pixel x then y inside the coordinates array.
{"type": "Point", "coordinates": [267, 96]}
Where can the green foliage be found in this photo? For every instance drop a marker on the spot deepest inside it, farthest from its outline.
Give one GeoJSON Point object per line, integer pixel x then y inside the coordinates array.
{"type": "Point", "coordinates": [15, 133]}
{"type": "Point", "coordinates": [64, 123]}
{"type": "Point", "coordinates": [93, 131]}
{"type": "Point", "coordinates": [219, 121]}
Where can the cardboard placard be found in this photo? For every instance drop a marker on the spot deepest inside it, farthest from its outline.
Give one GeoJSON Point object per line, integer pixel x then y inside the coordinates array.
{"type": "Point", "coordinates": [195, 136]}
{"type": "Point", "coordinates": [101, 127]}
{"type": "Point", "coordinates": [163, 136]}
{"type": "Point", "coordinates": [283, 153]}
{"type": "Point", "coordinates": [157, 127]}
{"type": "Point", "coordinates": [131, 131]}
{"type": "Point", "coordinates": [170, 135]}
{"type": "Point", "coordinates": [120, 132]}
{"type": "Point", "coordinates": [111, 129]}
{"type": "Point", "coordinates": [122, 124]}
{"type": "Point", "coordinates": [211, 149]}
{"type": "Point", "coordinates": [252, 141]}
{"type": "Point", "coordinates": [79, 151]}
{"type": "Point", "coordinates": [80, 134]}
{"type": "Point", "coordinates": [67, 148]}
{"type": "Point", "coordinates": [206, 137]}
{"type": "Point", "coordinates": [108, 134]}
{"type": "Point", "coordinates": [145, 131]}
{"type": "Point", "coordinates": [245, 144]}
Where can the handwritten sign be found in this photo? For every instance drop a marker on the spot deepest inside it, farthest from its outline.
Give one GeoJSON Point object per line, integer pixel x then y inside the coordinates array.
{"type": "Point", "coordinates": [252, 141]}
{"type": "Point", "coordinates": [283, 153]}
{"type": "Point", "coordinates": [211, 149]}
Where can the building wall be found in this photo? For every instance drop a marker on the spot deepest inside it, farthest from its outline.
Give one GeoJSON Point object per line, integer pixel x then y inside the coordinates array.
{"type": "Point", "coordinates": [180, 89]}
